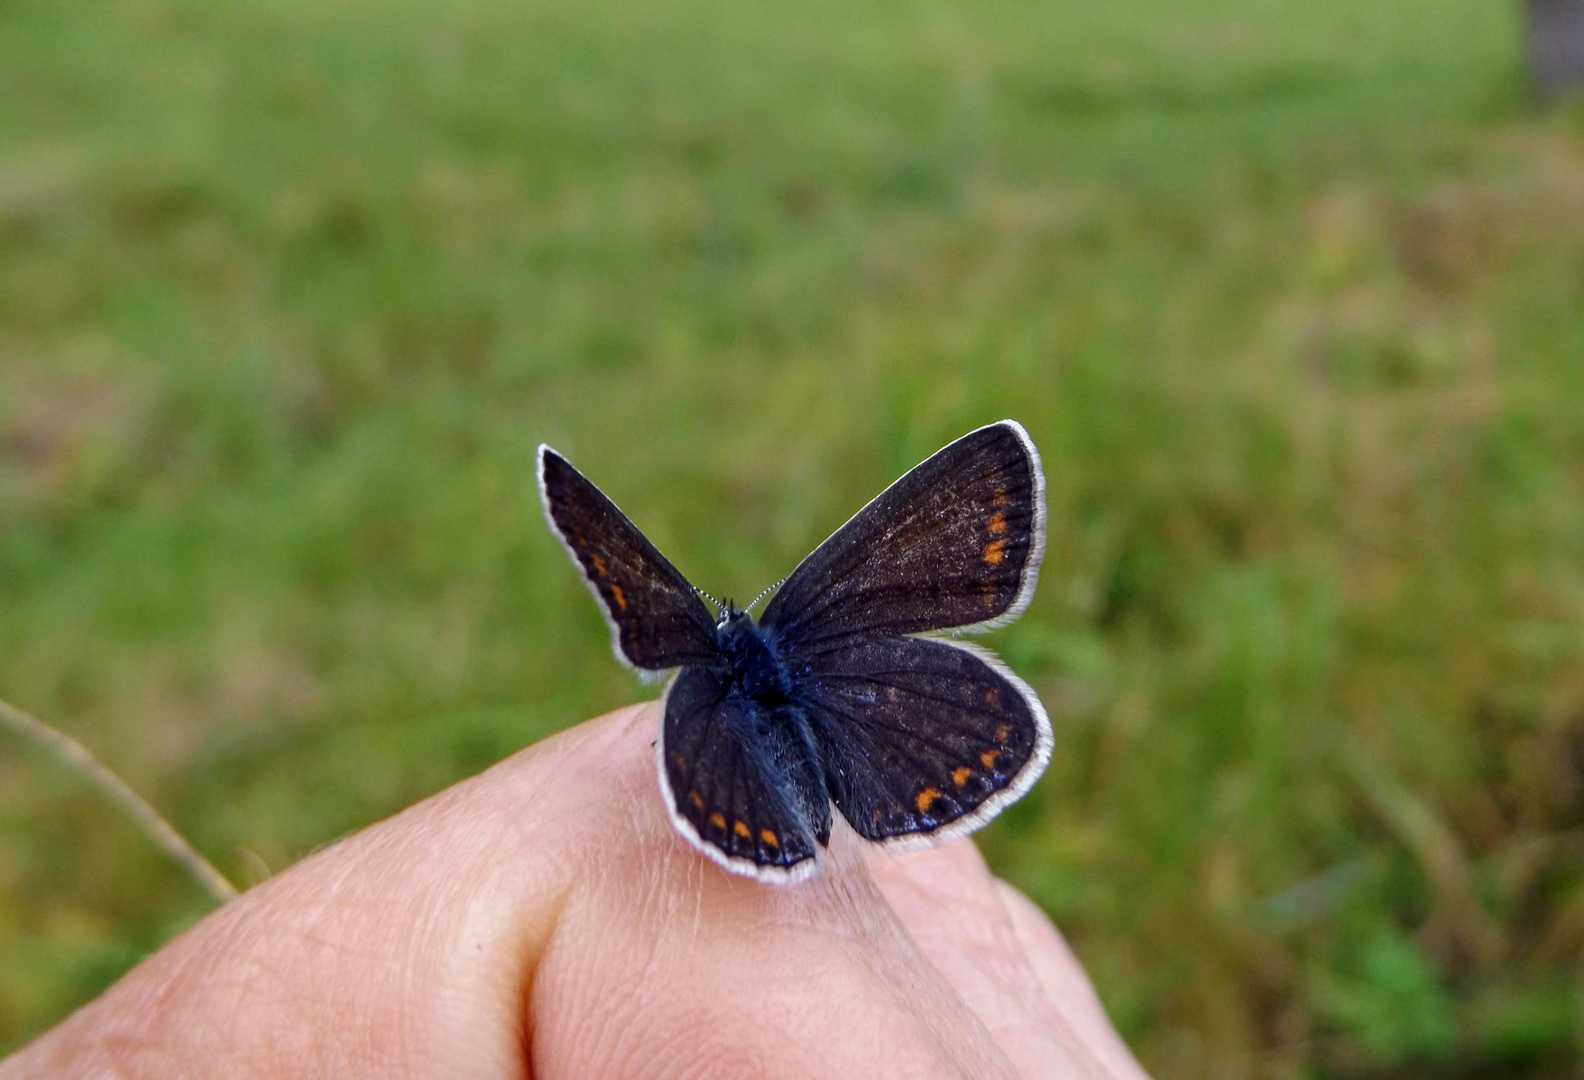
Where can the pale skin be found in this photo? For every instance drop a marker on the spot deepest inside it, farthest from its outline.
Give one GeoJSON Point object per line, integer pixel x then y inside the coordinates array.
{"type": "Point", "coordinates": [545, 920]}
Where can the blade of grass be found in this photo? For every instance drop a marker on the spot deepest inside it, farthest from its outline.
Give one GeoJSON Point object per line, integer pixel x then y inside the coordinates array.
{"type": "Point", "coordinates": [75, 757]}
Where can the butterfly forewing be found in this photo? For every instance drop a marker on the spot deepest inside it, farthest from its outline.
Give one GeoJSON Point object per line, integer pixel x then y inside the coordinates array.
{"type": "Point", "coordinates": [657, 620]}
{"type": "Point", "coordinates": [955, 543]}
{"type": "Point", "coordinates": [733, 786]}
{"type": "Point", "coordinates": [922, 738]}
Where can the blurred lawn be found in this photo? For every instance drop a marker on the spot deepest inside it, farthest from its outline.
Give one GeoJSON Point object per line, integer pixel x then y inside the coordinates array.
{"type": "Point", "coordinates": [1290, 295]}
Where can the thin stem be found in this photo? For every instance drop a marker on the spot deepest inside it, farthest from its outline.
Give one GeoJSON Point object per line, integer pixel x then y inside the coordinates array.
{"type": "Point", "coordinates": [76, 757]}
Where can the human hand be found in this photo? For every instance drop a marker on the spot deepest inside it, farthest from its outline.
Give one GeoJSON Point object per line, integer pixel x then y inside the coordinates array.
{"type": "Point", "coordinates": [543, 919]}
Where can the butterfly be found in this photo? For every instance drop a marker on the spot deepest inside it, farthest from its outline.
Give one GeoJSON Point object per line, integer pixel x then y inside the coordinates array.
{"type": "Point", "coordinates": [836, 696]}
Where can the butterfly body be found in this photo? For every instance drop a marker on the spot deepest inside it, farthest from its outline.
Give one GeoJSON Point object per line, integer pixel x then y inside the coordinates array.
{"type": "Point", "coordinates": [832, 698]}
{"type": "Point", "coordinates": [758, 673]}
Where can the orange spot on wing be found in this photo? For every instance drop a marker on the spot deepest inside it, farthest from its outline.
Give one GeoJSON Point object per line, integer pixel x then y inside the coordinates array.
{"type": "Point", "coordinates": [926, 799]}
{"type": "Point", "coordinates": [717, 820]}
{"type": "Point", "coordinates": [698, 803]}
{"type": "Point", "coordinates": [992, 697]}
{"type": "Point", "coordinates": [1003, 732]}
{"type": "Point", "coordinates": [769, 838]}
{"type": "Point", "coordinates": [740, 829]}
{"type": "Point", "coordinates": [994, 553]}
{"type": "Point", "coordinates": [1001, 500]}
{"type": "Point", "coordinates": [616, 595]}
{"type": "Point", "coordinates": [961, 774]}
{"type": "Point", "coordinates": [599, 563]}
{"type": "Point", "coordinates": [997, 526]}
{"type": "Point", "coordinates": [988, 758]}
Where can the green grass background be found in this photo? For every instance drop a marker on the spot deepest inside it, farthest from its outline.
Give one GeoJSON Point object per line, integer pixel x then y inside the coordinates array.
{"type": "Point", "coordinates": [1290, 295]}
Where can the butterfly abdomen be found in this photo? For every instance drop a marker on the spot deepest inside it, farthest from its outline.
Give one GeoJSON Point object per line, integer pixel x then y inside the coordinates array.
{"type": "Point", "coordinates": [775, 732]}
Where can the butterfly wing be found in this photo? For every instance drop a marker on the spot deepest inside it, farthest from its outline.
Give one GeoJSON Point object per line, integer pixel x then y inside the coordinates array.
{"type": "Point", "coordinates": [954, 544]}
{"type": "Point", "coordinates": [657, 620]}
{"type": "Point", "coordinates": [754, 805]}
{"type": "Point", "coordinates": [922, 740]}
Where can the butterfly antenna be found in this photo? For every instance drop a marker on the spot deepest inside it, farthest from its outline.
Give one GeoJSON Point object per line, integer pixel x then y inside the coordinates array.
{"type": "Point", "coordinates": [766, 593]}
{"type": "Point", "coordinates": [720, 608]}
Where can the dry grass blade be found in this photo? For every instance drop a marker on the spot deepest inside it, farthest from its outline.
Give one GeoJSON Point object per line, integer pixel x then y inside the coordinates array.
{"type": "Point", "coordinates": [76, 757]}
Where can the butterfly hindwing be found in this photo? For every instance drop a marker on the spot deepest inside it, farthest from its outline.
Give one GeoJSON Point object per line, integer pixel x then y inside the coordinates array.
{"type": "Point", "coordinates": [657, 619]}
{"type": "Point", "coordinates": [733, 783]}
{"type": "Point", "coordinates": [954, 544]}
{"type": "Point", "coordinates": [922, 739]}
